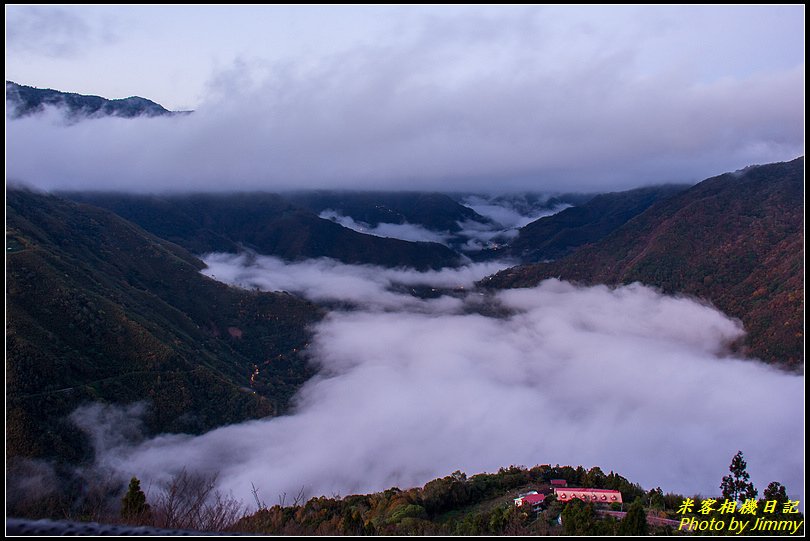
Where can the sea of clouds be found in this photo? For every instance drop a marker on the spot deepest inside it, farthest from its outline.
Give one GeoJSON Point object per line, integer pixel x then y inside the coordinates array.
{"type": "Point", "coordinates": [409, 389]}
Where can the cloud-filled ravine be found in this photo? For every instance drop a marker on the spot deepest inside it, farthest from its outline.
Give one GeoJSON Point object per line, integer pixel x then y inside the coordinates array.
{"type": "Point", "coordinates": [409, 389]}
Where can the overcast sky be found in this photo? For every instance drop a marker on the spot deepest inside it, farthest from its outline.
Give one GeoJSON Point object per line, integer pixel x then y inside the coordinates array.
{"type": "Point", "coordinates": [419, 97]}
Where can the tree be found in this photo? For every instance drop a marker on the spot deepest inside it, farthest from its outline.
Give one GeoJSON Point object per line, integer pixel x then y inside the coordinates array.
{"type": "Point", "coordinates": [776, 492]}
{"type": "Point", "coordinates": [446, 493]}
{"type": "Point", "coordinates": [579, 518]}
{"type": "Point", "coordinates": [497, 520]}
{"type": "Point", "coordinates": [133, 505]}
{"type": "Point", "coordinates": [595, 478]}
{"type": "Point", "coordinates": [581, 474]}
{"type": "Point", "coordinates": [737, 487]}
{"type": "Point", "coordinates": [656, 498]}
{"type": "Point", "coordinates": [352, 523]}
{"type": "Point", "coordinates": [190, 501]}
{"type": "Point", "coordinates": [635, 522]}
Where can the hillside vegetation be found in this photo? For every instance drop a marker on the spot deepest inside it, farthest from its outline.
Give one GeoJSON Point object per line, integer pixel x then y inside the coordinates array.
{"type": "Point", "coordinates": [266, 223]}
{"type": "Point", "coordinates": [99, 310]}
{"type": "Point", "coordinates": [24, 100]}
{"type": "Point", "coordinates": [735, 240]}
{"type": "Point", "coordinates": [555, 236]}
{"type": "Point", "coordinates": [434, 211]}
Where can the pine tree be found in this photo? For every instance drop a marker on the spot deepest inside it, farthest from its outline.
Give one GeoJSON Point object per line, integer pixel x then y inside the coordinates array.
{"type": "Point", "coordinates": [776, 492]}
{"type": "Point", "coordinates": [579, 518]}
{"type": "Point", "coordinates": [635, 522]}
{"type": "Point", "coordinates": [134, 505]}
{"type": "Point", "coordinates": [737, 487]}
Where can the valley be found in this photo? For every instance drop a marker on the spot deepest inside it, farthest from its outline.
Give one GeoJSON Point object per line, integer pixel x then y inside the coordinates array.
{"type": "Point", "coordinates": [150, 319]}
{"type": "Point", "coordinates": [404, 270]}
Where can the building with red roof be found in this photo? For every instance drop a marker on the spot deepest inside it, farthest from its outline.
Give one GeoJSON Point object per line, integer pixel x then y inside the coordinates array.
{"type": "Point", "coordinates": [593, 495]}
{"type": "Point", "coordinates": [532, 499]}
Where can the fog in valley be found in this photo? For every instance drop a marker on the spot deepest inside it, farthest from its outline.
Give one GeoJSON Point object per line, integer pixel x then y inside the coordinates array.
{"type": "Point", "coordinates": [409, 389]}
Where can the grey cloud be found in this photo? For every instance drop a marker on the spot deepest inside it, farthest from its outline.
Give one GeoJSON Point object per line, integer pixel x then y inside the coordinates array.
{"type": "Point", "coordinates": [328, 280]}
{"type": "Point", "coordinates": [625, 378]}
{"type": "Point", "coordinates": [507, 213]}
{"type": "Point", "coordinates": [111, 426]}
{"type": "Point", "coordinates": [551, 108]}
{"type": "Point", "coordinates": [53, 31]}
{"type": "Point", "coordinates": [504, 212]}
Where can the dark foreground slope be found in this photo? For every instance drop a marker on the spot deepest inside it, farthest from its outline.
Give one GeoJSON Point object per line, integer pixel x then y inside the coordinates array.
{"type": "Point", "coordinates": [99, 310]}
{"type": "Point", "coordinates": [482, 504]}
{"type": "Point", "coordinates": [735, 240]}
{"type": "Point", "coordinates": [266, 223]}
{"type": "Point", "coordinates": [555, 236]}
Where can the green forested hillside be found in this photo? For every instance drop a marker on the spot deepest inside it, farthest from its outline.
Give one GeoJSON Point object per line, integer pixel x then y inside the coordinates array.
{"type": "Point", "coordinates": [266, 223]}
{"type": "Point", "coordinates": [99, 310]}
{"type": "Point", "coordinates": [557, 235]}
{"type": "Point", "coordinates": [736, 240]}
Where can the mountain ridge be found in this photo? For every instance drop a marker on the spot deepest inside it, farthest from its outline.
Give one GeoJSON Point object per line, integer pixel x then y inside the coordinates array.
{"type": "Point", "coordinates": [267, 223]}
{"type": "Point", "coordinates": [99, 310]}
{"type": "Point", "coordinates": [735, 240]}
{"type": "Point", "coordinates": [554, 236]}
{"type": "Point", "coordinates": [22, 100]}
{"type": "Point", "coordinates": [436, 211]}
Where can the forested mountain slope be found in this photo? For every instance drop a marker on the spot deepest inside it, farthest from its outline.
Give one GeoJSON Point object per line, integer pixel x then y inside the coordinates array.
{"type": "Point", "coordinates": [99, 310]}
{"type": "Point", "coordinates": [735, 240]}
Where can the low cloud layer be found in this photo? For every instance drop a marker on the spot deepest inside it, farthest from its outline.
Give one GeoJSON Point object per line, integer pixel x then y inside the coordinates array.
{"type": "Point", "coordinates": [505, 216]}
{"type": "Point", "coordinates": [546, 99]}
{"type": "Point", "coordinates": [404, 231]}
{"type": "Point", "coordinates": [626, 379]}
{"type": "Point", "coordinates": [506, 212]}
{"type": "Point", "coordinates": [509, 215]}
{"type": "Point", "coordinates": [366, 286]}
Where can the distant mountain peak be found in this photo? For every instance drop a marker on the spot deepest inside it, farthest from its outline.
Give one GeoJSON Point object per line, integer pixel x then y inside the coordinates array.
{"type": "Point", "coordinates": [22, 100]}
